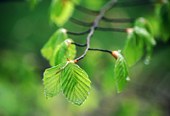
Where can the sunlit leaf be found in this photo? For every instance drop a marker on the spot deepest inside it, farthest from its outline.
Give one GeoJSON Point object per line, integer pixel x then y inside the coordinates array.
{"type": "Point", "coordinates": [143, 33]}
{"type": "Point", "coordinates": [149, 42]}
{"type": "Point", "coordinates": [143, 23]}
{"type": "Point", "coordinates": [139, 43]}
{"type": "Point", "coordinates": [75, 84]}
{"type": "Point", "coordinates": [68, 78]}
{"type": "Point", "coordinates": [134, 49]}
{"type": "Point", "coordinates": [52, 80]}
{"type": "Point", "coordinates": [121, 76]}
{"type": "Point", "coordinates": [56, 39]}
{"type": "Point", "coordinates": [61, 10]}
{"type": "Point", "coordinates": [65, 51]}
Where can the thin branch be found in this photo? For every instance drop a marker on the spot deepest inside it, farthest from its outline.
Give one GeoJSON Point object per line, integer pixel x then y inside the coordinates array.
{"type": "Point", "coordinates": [122, 30]}
{"type": "Point", "coordinates": [111, 29]}
{"type": "Point", "coordinates": [76, 21]}
{"type": "Point", "coordinates": [79, 22]}
{"type": "Point", "coordinates": [87, 24]}
{"type": "Point", "coordinates": [118, 20]}
{"type": "Point", "coordinates": [79, 45]}
{"type": "Point", "coordinates": [92, 49]}
{"type": "Point", "coordinates": [107, 7]}
{"type": "Point", "coordinates": [78, 33]}
{"type": "Point", "coordinates": [100, 50]}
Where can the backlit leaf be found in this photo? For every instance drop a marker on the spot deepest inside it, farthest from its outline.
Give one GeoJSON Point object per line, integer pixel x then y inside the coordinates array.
{"type": "Point", "coordinates": [143, 33]}
{"type": "Point", "coordinates": [134, 49]}
{"type": "Point", "coordinates": [143, 23]}
{"type": "Point", "coordinates": [75, 84]}
{"type": "Point", "coordinates": [52, 80]}
{"type": "Point", "coordinates": [139, 41]}
{"type": "Point", "coordinates": [56, 39]}
{"type": "Point", "coordinates": [68, 78]}
{"type": "Point", "coordinates": [65, 51]}
{"type": "Point", "coordinates": [120, 73]}
{"type": "Point", "coordinates": [61, 10]}
{"type": "Point", "coordinates": [148, 41]}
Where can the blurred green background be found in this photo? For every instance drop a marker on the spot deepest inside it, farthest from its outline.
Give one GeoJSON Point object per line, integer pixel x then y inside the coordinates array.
{"type": "Point", "coordinates": [23, 32]}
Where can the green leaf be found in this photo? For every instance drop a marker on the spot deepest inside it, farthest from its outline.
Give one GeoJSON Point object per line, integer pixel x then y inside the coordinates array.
{"type": "Point", "coordinates": [75, 84]}
{"type": "Point", "coordinates": [52, 80]}
{"type": "Point", "coordinates": [148, 41]}
{"type": "Point", "coordinates": [143, 23]}
{"type": "Point", "coordinates": [134, 49]}
{"type": "Point", "coordinates": [65, 51]}
{"type": "Point", "coordinates": [61, 10]}
{"type": "Point", "coordinates": [120, 73]}
{"type": "Point", "coordinates": [68, 78]}
{"type": "Point", "coordinates": [143, 33]}
{"type": "Point", "coordinates": [139, 40]}
{"type": "Point", "coordinates": [56, 39]}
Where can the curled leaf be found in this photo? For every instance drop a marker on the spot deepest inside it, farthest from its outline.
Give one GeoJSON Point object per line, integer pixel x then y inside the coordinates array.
{"type": "Point", "coordinates": [63, 52]}
{"type": "Point", "coordinates": [121, 75]}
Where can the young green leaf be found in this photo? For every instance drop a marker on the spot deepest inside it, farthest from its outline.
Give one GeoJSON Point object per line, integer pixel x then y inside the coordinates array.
{"type": "Point", "coordinates": [134, 48]}
{"type": "Point", "coordinates": [61, 10]}
{"type": "Point", "coordinates": [120, 73]}
{"type": "Point", "coordinates": [143, 33]}
{"type": "Point", "coordinates": [56, 39]}
{"type": "Point", "coordinates": [148, 41]}
{"type": "Point", "coordinates": [138, 38]}
{"type": "Point", "coordinates": [143, 23]}
{"type": "Point", "coordinates": [52, 80]}
{"type": "Point", "coordinates": [63, 52]}
{"type": "Point", "coordinates": [68, 78]}
{"type": "Point", "coordinates": [75, 84]}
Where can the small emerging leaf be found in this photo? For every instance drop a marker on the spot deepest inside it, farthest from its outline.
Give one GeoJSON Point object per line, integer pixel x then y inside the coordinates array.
{"type": "Point", "coordinates": [68, 78]}
{"type": "Point", "coordinates": [121, 75]}
{"type": "Point", "coordinates": [143, 23]}
{"type": "Point", "coordinates": [56, 39]}
{"type": "Point", "coordinates": [139, 41]}
{"type": "Point", "coordinates": [61, 10]}
{"type": "Point", "coordinates": [134, 49]}
{"type": "Point", "coordinates": [63, 52]}
{"type": "Point", "coordinates": [143, 33]}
